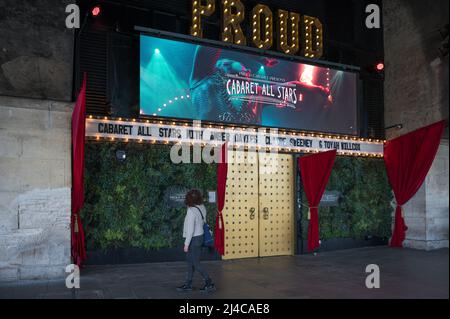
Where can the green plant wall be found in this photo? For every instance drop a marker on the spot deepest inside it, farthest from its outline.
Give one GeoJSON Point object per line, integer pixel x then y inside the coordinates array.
{"type": "Point", "coordinates": [125, 205]}
{"type": "Point", "coordinates": [364, 208]}
{"type": "Point", "coordinates": [124, 201]}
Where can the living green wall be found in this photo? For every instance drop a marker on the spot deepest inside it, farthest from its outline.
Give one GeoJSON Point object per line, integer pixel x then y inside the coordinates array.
{"type": "Point", "coordinates": [124, 201]}
{"type": "Point", "coordinates": [125, 205]}
{"type": "Point", "coordinates": [364, 208]}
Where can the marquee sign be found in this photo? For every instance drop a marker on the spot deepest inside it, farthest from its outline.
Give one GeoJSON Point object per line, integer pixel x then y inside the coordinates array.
{"type": "Point", "coordinates": [295, 33]}
{"type": "Point", "coordinates": [160, 132]}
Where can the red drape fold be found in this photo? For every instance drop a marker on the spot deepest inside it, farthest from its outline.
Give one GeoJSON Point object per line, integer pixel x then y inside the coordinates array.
{"type": "Point", "coordinates": [315, 171]}
{"type": "Point", "coordinates": [78, 138]}
{"type": "Point", "coordinates": [408, 159]}
{"type": "Point", "coordinates": [222, 171]}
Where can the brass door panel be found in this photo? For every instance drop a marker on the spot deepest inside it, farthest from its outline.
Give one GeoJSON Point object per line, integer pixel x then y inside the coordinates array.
{"type": "Point", "coordinates": [241, 206]}
{"type": "Point", "coordinates": [259, 205]}
{"type": "Point", "coordinates": [276, 205]}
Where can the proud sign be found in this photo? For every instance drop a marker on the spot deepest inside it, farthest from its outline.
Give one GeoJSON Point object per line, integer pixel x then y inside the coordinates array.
{"type": "Point", "coordinates": [296, 33]}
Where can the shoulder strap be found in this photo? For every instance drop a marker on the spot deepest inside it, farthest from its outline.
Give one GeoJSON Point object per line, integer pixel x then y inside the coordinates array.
{"type": "Point", "coordinates": [203, 218]}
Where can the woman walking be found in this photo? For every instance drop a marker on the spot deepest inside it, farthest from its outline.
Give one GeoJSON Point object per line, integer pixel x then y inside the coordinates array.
{"type": "Point", "coordinates": [193, 234]}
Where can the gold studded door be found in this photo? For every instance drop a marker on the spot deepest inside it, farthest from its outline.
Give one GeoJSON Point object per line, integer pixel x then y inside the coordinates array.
{"type": "Point", "coordinates": [241, 206]}
{"type": "Point", "coordinates": [276, 205]}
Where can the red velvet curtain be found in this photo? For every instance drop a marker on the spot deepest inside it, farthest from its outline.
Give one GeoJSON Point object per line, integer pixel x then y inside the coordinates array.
{"type": "Point", "coordinates": [315, 171]}
{"type": "Point", "coordinates": [408, 160]}
{"type": "Point", "coordinates": [78, 137]}
{"type": "Point", "coordinates": [222, 171]}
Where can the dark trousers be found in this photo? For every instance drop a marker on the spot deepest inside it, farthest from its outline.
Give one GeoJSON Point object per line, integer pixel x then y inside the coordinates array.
{"type": "Point", "coordinates": [193, 260]}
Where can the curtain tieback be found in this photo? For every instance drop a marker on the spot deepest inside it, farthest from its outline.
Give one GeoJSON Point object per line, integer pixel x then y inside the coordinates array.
{"type": "Point", "coordinates": [75, 227]}
{"type": "Point", "coordinates": [401, 211]}
{"type": "Point", "coordinates": [220, 219]}
{"type": "Point", "coordinates": [309, 212]}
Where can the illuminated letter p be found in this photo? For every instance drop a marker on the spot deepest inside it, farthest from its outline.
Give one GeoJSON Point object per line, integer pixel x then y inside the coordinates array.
{"type": "Point", "coordinates": [199, 10]}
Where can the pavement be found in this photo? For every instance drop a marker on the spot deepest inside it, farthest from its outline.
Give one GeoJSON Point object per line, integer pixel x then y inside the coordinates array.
{"type": "Point", "coordinates": [404, 274]}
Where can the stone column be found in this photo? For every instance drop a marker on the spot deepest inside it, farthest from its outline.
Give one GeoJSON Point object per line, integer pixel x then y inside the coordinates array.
{"type": "Point", "coordinates": [35, 181]}
{"type": "Point", "coordinates": [416, 95]}
{"type": "Point", "coordinates": [426, 215]}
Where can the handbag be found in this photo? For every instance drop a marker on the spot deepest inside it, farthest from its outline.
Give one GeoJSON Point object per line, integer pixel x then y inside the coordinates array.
{"type": "Point", "coordinates": [208, 238]}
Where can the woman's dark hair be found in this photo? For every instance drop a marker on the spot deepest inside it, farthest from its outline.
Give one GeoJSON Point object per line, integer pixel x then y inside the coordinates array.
{"type": "Point", "coordinates": [193, 198]}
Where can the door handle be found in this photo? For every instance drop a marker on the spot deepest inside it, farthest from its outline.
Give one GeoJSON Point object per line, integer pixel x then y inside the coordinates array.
{"type": "Point", "coordinates": [266, 213]}
{"type": "Point", "coordinates": [252, 213]}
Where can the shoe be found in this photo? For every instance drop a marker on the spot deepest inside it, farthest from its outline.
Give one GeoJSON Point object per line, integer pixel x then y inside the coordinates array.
{"type": "Point", "coordinates": [184, 287]}
{"type": "Point", "coordinates": [208, 287]}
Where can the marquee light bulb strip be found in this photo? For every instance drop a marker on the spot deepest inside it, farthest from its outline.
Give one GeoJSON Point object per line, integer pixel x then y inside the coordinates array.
{"type": "Point", "coordinates": [313, 35]}
{"type": "Point", "coordinates": [231, 28]}
{"type": "Point", "coordinates": [173, 124]}
{"type": "Point", "coordinates": [199, 10]}
{"type": "Point", "coordinates": [328, 79]}
{"type": "Point", "coordinates": [262, 39]}
{"type": "Point", "coordinates": [283, 44]}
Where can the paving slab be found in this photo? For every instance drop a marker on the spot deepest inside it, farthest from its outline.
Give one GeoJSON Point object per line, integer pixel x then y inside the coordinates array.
{"type": "Point", "coordinates": [405, 273]}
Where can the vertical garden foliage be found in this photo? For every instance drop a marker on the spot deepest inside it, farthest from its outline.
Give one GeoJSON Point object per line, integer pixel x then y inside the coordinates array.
{"type": "Point", "coordinates": [364, 208]}
{"type": "Point", "coordinates": [124, 201]}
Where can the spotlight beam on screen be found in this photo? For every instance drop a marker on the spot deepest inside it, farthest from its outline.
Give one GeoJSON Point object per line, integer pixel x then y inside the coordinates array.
{"type": "Point", "coordinates": [336, 83]}
{"type": "Point", "coordinates": [159, 76]}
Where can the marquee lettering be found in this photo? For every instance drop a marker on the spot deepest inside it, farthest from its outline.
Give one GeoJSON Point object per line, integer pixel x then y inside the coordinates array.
{"type": "Point", "coordinates": [292, 142]}
{"type": "Point", "coordinates": [296, 34]}
{"type": "Point", "coordinates": [199, 10]}
{"type": "Point", "coordinates": [233, 13]}
{"type": "Point", "coordinates": [262, 38]}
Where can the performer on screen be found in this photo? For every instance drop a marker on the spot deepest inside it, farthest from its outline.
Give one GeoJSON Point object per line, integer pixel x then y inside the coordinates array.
{"type": "Point", "coordinates": [210, 72]}
{"type": "Point", "coordinates": [208, 92]}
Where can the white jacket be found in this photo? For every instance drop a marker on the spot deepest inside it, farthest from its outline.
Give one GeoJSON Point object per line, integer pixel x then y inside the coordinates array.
{"type": "Point", "coordinates": [193, 223]}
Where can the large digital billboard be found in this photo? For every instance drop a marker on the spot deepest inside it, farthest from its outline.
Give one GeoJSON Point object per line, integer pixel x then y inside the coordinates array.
{"type": "Point", "coordinates": [190, 81]}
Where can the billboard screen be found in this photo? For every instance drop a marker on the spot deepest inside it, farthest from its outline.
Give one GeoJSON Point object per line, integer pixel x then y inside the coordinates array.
{"type": "Point", "coordinates": [190, 81]}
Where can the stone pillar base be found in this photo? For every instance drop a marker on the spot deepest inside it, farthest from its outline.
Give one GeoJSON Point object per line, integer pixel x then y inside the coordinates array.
{"type": "Point", "coordinates": [427, 245]}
